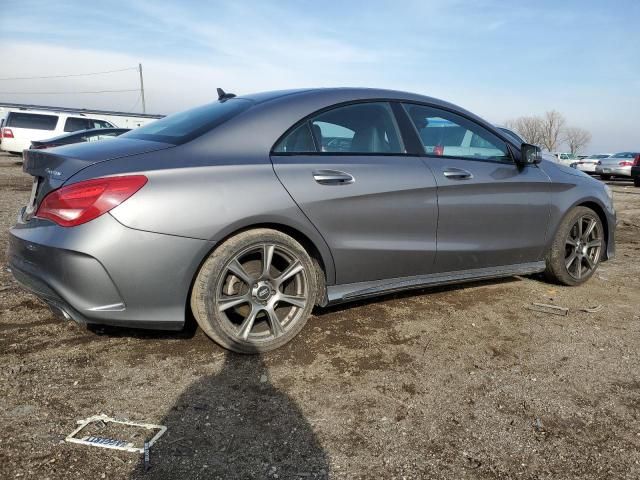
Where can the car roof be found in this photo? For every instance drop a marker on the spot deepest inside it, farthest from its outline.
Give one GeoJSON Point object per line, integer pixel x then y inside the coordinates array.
{"type": "Point", "coordinates": [355, 93]}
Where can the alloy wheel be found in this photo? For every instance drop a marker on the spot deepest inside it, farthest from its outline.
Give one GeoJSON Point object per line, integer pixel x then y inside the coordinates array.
{"type": "Point", "coordinates": [583, 247]}
{"type": "Point", "coordinates": [262, 292]}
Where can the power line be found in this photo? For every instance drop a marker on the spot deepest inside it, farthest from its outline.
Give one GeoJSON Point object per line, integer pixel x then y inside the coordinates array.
{"type": "Point", "coordinates": [69, 75]}
{"type": "Point", "coordinates": [68, 93]}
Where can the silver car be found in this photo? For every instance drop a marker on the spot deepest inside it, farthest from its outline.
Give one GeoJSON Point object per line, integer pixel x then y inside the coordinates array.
{"type": "Point", "coordinates": [250, 211]}
{"type": "Point", "coordinates": [588, 164]}
{"type": "Point", "coordinates": [617, 165]}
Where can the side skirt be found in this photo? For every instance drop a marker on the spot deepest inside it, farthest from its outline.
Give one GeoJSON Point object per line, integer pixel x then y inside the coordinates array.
{"type": "Point", "coordinates": [355, 291]}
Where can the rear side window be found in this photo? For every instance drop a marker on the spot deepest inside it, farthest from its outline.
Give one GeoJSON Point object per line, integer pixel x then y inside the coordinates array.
{"type": "Point", "coordinates": [362, 128]}
{"type": "Point", "coordinates": [32, 120]}
{"type": "Point", "coordinates": [74, 124]}
{"type": "Point", "coordinates": [185, 126]}
{"type": "Point", "coordinates": [298, 141]}
{"type": "Point", "coordinates": [94, 123]}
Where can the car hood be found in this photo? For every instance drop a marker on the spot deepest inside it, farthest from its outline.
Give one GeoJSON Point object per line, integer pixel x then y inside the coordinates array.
{"type": "Point", "coordinates": [552, 168]}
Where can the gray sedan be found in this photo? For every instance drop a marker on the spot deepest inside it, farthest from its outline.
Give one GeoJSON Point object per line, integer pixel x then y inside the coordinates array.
{"type": "Point", "coordinates": [249, 211]}
{"type": "Point", "coordinates": [617, 165]}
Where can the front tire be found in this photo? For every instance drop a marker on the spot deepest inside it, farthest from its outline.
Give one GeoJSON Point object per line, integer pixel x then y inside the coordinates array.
{"type": "Point", "coordinates": [577, 248]}
{"type": "Point", "coordinates": [255, 292]}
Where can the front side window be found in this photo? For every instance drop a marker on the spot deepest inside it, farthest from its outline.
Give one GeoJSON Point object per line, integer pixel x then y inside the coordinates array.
{"type": "Point", "coordinates": [32, 120]}
{"type": "Point", "coordinates": [450, 135]}
{"type": "Point", "coordinates": [363, 128]}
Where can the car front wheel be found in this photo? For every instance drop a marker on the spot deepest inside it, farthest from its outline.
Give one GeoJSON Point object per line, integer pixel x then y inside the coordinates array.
{"type": "Point", "coordinates": [255, 292]}
{"type": "Point", "coordinates": [577, 248]}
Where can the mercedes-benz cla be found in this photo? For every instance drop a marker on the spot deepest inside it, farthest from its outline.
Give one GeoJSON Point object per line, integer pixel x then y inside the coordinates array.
{"type": "Point", "coordinates": [250, 211]}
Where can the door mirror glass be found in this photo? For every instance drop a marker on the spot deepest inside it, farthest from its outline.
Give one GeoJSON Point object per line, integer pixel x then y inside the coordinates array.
{"type": "Point", "coordinates": [530, 154]}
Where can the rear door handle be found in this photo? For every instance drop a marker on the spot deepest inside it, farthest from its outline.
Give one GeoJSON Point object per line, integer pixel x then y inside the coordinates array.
{"type": "Point", "coordinates": [332, 177]}
{"type": "Point", "coordinates": [457, 174]}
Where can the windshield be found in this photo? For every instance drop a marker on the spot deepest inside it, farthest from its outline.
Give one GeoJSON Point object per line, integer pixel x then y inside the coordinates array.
{"type": "Point", "coordinates": [184, 126]}
{"type": "Point", "coordinates": [624, 155]}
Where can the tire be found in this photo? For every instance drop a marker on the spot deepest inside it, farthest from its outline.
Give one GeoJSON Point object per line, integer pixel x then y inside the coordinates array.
{"type": "Point", "coordinates": [636, 181]}
{"type": "Point", "coordinates": [233, 299]}
{"type": "Point", "coordinates": [573, 258]}
{"type": "Point", "coordinates": [605, 177]}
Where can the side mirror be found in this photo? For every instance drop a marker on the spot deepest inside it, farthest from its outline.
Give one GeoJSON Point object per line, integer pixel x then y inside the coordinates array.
{"type": "Point", "coordinates": [529, 154]}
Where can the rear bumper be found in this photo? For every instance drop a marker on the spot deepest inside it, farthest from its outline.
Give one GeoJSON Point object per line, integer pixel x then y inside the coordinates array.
{"type": "Point", "coordinates": [587, 167]}
{"type": "Point", "coordinates": [613, 170]}
{"type": "Point", "coordinates": [16, 145]}
{"type": "Point", "coordinates": [105, 273]}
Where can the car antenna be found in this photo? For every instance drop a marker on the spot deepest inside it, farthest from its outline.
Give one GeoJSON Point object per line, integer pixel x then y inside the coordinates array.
{"type": "Point", "coordinates": [222, 95]}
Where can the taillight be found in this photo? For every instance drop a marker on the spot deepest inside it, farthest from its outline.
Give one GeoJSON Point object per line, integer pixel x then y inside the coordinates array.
{"type": "Point", "coordinates": [625, 163]}
{"type": "Point", "coordinates": [83, 201]}
{"type": "Point", "coordinates": [636, 162]}
{"type": "Point", "coordinates": [6, 133]}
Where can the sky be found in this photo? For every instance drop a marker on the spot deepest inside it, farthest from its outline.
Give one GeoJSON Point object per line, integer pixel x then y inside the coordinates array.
{"type": "Point", "coordinates": [499, 59]}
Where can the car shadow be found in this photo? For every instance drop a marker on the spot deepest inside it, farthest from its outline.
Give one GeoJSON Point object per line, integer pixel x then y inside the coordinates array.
{"type": "Point", "coordinates": [236, 424]}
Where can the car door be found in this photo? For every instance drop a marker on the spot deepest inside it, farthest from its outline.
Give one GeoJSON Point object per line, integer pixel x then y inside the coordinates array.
{"type": "Point", "coordinates": [491, 212]}
{"type": "Point", "coordinates": [374, 204]}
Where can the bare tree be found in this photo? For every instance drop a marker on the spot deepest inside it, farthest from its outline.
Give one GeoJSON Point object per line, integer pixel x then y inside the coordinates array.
{"type": "Point", "coordinates": [552, 127]}
{"type": "Point", "coordinates": [529, 128]}
{"type": "Point", "coordinates": [576, 138]}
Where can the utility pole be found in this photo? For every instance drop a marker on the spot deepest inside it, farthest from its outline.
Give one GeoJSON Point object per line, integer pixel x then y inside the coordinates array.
{"type": "Point", "coordinates": [144, 106]}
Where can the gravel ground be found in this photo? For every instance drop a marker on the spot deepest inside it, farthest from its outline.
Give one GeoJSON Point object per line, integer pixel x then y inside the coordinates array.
{"type": "Point", "coordinates": [458, 382]}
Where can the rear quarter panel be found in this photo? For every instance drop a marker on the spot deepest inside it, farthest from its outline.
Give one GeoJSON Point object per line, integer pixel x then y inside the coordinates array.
{"type": "Point", "coordinates": [195, 193]}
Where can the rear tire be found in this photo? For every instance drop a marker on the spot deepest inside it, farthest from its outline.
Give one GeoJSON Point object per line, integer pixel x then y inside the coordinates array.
{"type": "Point", "coordinates": [577, 248]}
{"type": "Point", "coordinates": [636, 181]}
{"type": "Point", "coordinates": [255, 292]}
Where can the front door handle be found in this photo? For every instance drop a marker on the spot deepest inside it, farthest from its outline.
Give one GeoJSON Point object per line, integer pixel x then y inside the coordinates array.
{"type": "Point", "coordinates": [457, 174]}
{"type": "Point", "coordinates": [332, 177]}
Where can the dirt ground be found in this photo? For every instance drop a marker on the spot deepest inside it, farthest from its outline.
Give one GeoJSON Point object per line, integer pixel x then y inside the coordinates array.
{"type": "Point", "coordinates": [460, 382]}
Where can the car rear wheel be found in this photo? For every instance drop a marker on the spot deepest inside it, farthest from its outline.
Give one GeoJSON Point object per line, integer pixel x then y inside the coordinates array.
{"type": "Point", "coordinates": [255, 292]}
{"type": "Point", "coordinates": [577, 248]}
{"type": "Point", "coordinates": [636, 181]}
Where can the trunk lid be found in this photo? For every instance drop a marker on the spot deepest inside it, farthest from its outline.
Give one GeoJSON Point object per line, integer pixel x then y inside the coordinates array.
{"type": "Point", "coordinates": [53, 167]}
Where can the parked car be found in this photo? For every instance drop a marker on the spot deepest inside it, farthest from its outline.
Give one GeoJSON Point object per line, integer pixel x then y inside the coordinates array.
{"type": "Point", "coordinates": [635, 173]}
{"type": "Point", "coordinates": [565, 158]}
{"type": "Point", "coordinates": [617, 165]}
{"type": "Point", "coordinates": [588, 164]}
{"type": "Point", "coordinates": [22, 128]}
{"type": "Point", "coordinates": [92, 135]}
{"type": "Point", "coordinates": [241, 212]}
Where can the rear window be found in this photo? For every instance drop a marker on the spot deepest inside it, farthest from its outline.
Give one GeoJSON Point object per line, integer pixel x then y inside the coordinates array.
{"type": "Point", "coordinates": [185, 126]}
{"type": "Point", "coordinates": [32, 120]}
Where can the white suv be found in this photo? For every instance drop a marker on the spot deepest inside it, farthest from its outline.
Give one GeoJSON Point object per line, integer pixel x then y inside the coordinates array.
{"type": "Point", "coordinates": [22, 127]}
